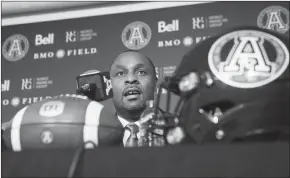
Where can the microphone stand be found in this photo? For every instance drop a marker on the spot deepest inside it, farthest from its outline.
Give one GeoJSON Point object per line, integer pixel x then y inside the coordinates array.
{"type": "Point", "coordinates": [78, 157]}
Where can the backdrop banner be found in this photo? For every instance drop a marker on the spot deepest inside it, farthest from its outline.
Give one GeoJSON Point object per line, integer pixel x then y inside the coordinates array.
{"type": "Point", "coordinates": [41, 60]}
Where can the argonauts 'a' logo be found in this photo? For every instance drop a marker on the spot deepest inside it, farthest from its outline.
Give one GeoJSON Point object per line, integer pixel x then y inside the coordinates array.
{"type": "Point", "coordinates": [240, 58]}
{"type": "Point", "coordinates": [15, 47]}
{"type": "Point", "coordinates": [136, 35]}
{"type": "Point", "coordinates": [274, 18]}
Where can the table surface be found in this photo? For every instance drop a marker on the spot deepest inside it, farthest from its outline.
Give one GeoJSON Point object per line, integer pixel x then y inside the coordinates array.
{"type": "Point", "coordinates": [239, 160]}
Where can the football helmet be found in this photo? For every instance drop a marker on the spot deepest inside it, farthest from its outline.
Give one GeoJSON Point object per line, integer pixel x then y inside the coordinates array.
{"type": "Point", "coordinates": [234, 87]}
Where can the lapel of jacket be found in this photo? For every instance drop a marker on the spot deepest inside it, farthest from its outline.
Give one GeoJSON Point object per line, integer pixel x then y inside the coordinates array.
{"type": "Point", "coordinates": [121, 142]}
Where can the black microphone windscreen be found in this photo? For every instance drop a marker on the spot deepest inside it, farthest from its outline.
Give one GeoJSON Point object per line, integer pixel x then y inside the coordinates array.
{"type": "Point", "coordinates": [96, 86]}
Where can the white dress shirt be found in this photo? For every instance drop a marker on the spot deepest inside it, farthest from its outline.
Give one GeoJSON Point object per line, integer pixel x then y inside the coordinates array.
{"type": "Point", "coordinates": [127, 133]}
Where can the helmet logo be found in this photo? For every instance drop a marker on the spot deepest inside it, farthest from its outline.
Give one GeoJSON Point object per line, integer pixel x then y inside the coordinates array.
{"type": "Point", "coordinates": [240, 58]}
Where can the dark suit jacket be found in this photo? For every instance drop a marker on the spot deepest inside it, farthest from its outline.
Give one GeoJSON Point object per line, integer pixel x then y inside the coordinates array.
{"type": "Point", "coordinates": [120, 141]}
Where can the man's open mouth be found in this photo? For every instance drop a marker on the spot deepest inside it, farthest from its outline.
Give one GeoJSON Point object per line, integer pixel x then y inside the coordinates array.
{"type": "Point", "coordinates": [132, 92]}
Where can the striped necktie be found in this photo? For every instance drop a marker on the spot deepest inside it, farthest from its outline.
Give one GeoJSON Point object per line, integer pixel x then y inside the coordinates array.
{"type": "Point", "coordinates": [132, 141]}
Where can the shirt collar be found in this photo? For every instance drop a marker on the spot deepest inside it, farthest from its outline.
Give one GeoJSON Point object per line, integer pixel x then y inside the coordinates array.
{"type": "Point", "coordinates": [124, 122]}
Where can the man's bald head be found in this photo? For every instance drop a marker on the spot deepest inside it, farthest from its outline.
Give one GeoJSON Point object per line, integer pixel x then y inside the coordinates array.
{"type": "Point", "coordinates": [133, 79]}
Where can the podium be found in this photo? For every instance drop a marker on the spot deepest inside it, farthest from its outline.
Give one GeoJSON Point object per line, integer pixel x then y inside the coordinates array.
{"type": "Point", "coordinates": [236, 160]}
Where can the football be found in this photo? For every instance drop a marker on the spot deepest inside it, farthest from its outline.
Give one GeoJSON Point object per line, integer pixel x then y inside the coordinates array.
{"type": "Point", "coordinates": [66, 121]}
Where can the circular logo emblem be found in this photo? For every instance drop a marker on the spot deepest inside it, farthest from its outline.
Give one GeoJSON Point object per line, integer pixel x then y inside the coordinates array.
{"type": "Point", "coordinates": [240, 58]}
{"type": "Point", "coordinates": [15, 101]}
{"type": "Point", "coordinates": [15, 47]}
{"type": "Point", "coordinates": [275, 18]}
{"type": "Point", "coordinates": [46, 137]}
{"type": "Point", "coordinates": [136, 35]}
{"type": "Point", "coordinates": [60, 53]}
{"type": "Point", "coordinates": [187, 41]}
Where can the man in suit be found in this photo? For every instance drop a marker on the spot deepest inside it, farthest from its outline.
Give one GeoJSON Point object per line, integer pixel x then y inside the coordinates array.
{"type": "Point", "coordinates": [133, 80]}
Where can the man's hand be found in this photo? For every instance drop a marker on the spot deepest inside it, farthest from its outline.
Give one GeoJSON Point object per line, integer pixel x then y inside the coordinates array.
{"type": "Point", "coordinates": [159, 131]}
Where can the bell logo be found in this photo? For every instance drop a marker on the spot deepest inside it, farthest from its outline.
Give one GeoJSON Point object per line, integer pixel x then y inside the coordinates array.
{"type": "Point", "coordinates": [162, 27]}
{"type": "Point", "coordinates": [51, 109]}
{"type": "Point", "coordinates": [248, 63]}
{"type": "Point", "coordinates": [275, 18]}
{"type": "Point", "coordinates": [42, 40]}
{"type": "Point", "coordinates": [15, 47]}
{"type": "Point", "coordinates": [136, 35]}
{"type": "Point", "coordinates": [5, 86]}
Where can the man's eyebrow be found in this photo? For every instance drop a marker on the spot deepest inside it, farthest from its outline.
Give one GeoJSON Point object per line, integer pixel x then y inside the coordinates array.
{"type": "Point", "coordinates": [139, 66]}
{"type": "Point", "coordinates": [120, 66]}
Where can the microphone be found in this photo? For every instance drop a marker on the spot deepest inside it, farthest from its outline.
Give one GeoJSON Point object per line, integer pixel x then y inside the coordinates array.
{"type": "Point", "coordinates": [95, 85]}
{"type": "Point", "coordinates": [151, 114]}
